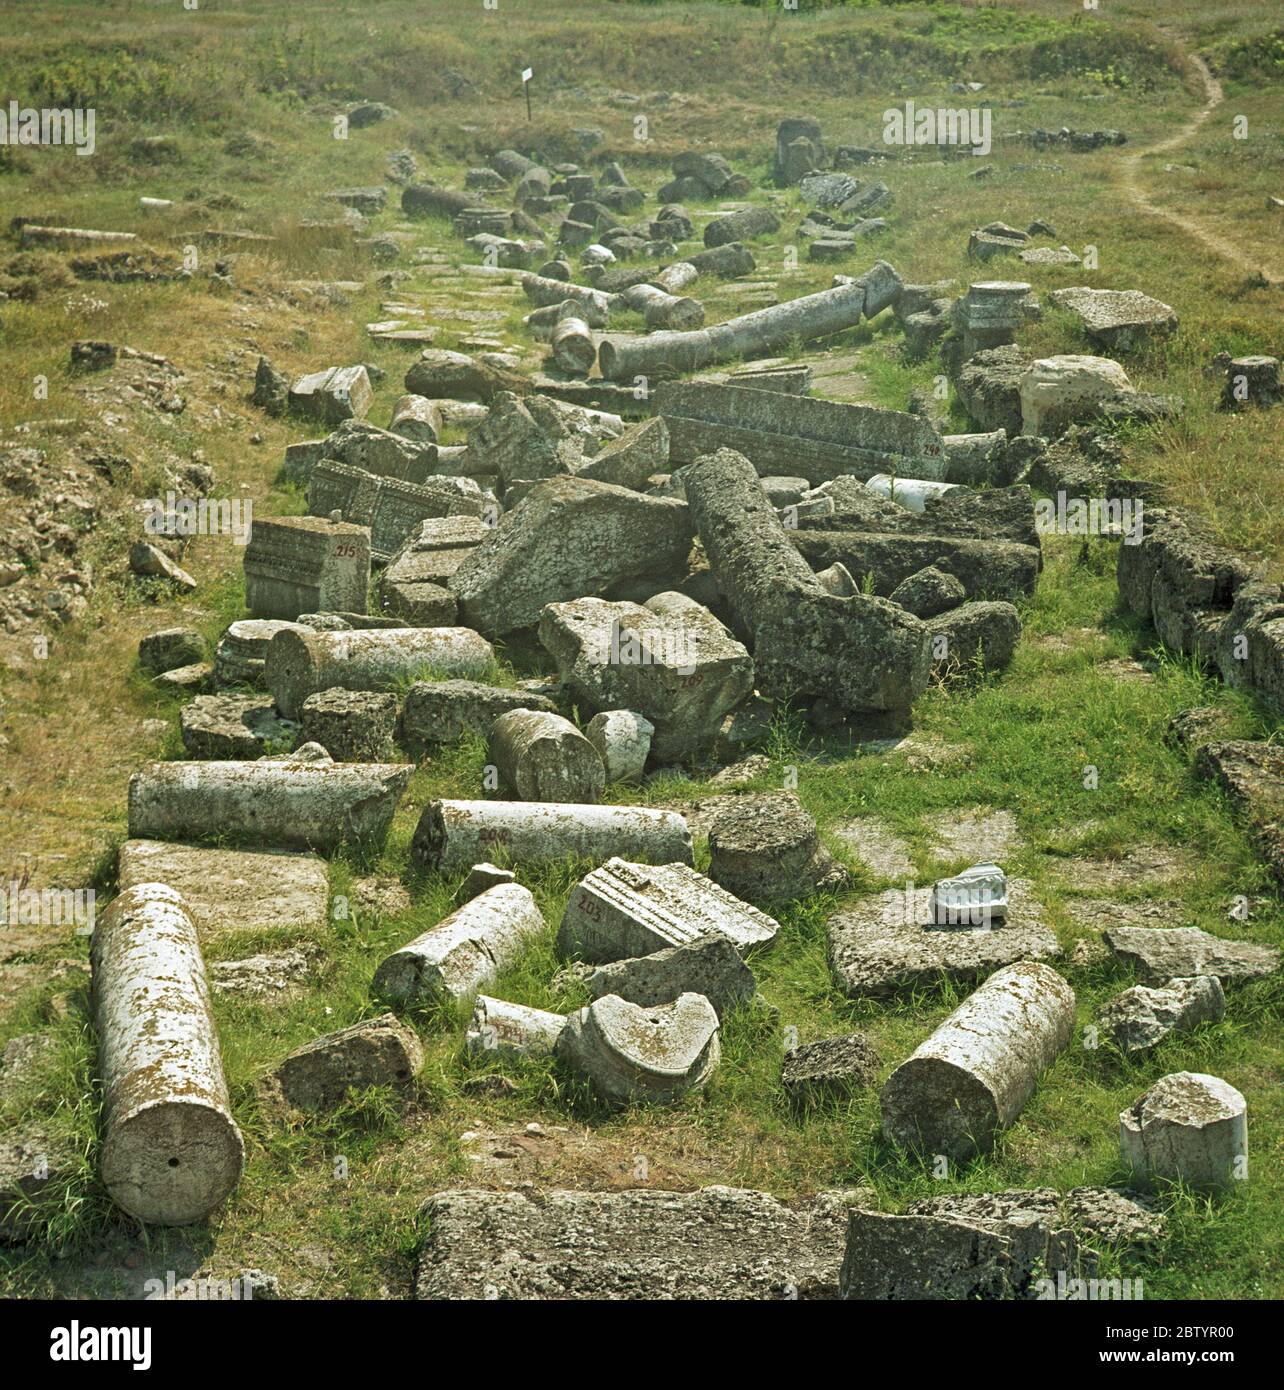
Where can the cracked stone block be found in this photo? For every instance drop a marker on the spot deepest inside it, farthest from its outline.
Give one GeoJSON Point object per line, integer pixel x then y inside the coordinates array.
{"type": "Point", "coordinates": [710, 965]}
{"type": "Point", "coordinates": [829, 1066]}
{"type": "Point", "coordinates": [379, 1051]}
{"type": "Point", "coordinates": [1190, 1128]}
{"type": "Point", "coordinates": [1168, 953]}
{"type": "Point", "coordinates": [234, 727]}
{"type": "Point", "coordinates": [1142, 1017]}
{"type": "Point", "coordinates": [766, 848]}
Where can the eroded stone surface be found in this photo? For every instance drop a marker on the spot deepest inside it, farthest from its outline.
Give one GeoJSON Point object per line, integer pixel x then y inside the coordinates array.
{"type": "Point", "coordinates": [1167, 953]}
{"type": "Point", "coordinates": [1141, 1017]}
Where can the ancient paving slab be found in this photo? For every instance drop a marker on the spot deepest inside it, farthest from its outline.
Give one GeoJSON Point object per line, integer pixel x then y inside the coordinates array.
{"type": "Point", "coordinates": [721, 1243]}
{"type": "Point", "coordinates": [1138, 864]}
{"type": "Point", "coordinates": [1100, 914]}
{"type": "Point", "coordinates": [978, 836]}
{"type": "Point", "coordinates": [1168, 953]}
{"type": "Point", "coordinates": [277, 975]}
{"type": "Point", "coordinates": [1117, 320]}
{"type": "Point", "coordinates": [887, 942]}
{"type": "Point", "coordinates": [230, 889]}
{"type": "Point", "coordinates": [878, 848]}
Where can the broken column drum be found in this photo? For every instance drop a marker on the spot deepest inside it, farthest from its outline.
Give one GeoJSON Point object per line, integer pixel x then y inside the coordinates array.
{"type": "Point", "coordinates": [453, 835]}
{"type": "Point", "coordinates": [572, 342]}
{"type": "Point", "coordinates": [298, 664]}
{"type": "Point", "coordinates": [544, 757]}
{"type": "Point", "coordinates": [663, 310]}
{"type": "Point", "coordinates": [466, 951]}
{"type": "Point", "coordinates": [171, 1152]}
{"type": "Point", "coordinates": [976, 1072]}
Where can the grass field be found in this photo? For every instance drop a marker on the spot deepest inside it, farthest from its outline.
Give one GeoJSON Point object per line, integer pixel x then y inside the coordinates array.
{"type": "Point", "coordinates": [1088, 687]}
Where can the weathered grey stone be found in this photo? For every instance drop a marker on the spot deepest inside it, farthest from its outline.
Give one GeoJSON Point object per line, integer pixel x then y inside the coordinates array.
{"type": "Point", "coordinates": [766, 848]}
{"type": "Point", "coordinates": [234, 727]}
{"type": "Point", "coordinates": [294, 805]}
{"type": "Point", "coordinates": [669, 659]}
{"type": "Point", "coordinates": [1253, 380]}
{"type": "Point", "coordinates": [242, 650]}
{"type": "Point", "coordinates": [744, 225]}
{"type": "Point", "coordinates": [171, 1152]}
{"type": "Point", "coordinates": [543, 757]}
{"type": "Point", "coordinates": [484, 876]}
{"type": "Point", "coordinates": [442, 711]}
{"type": "Point", "coordinates": [1141, 1017]}
{"type": "Point", "coordinates": [799, 150]}
{"type": "Point", "coordinates": [626, 909]}
{"type": "Point", "coordinates": [890, 942]}
{"type": "Point", "coordinates": [1117, 320]}
{"type": "Point", "coordinates": [371, 659]}
{"type": "Point", "coordinates": [928, 592]}
{"type": "Point", "coordinates": [757, 334]}
{"type": "Point", "coordinates": [227, 890]}
{"type": "Point", "coordinates": [1056, 391]}
{"type": "Point", "coordinates": [304, 564]}
{"type": "Point", "coordinates": [466, 951]}
{"type": "Point", "coordinates": [643, 450]}
{"type": "Point", "coordinates": [1168, 953]}
{"type": "Point", "coordinates": [336, 394]}
{"type": "Point", "coordinates": [629, 1053]}
{"type": "Point", "coordinates": [828, 1067]}
{"type": "Point", "coordinates": [35, 1166]}
{"type": "Point", "coordinates": [814, 438]}
{"type": "Point", "coordinates": [720, 1243]}
{"type": "Point", "coordinates": [455, 834]}
{"type": "Point", "coordinates": [417, 418]}
{"type": "Point", "coordinates": [858, 652]}
{"type": "Point", "coordinates": [1190, 1128]}
{"type": "Point", "coordinates": [188, 680]}
{"type": "Point", "coordinates": [927, 1257]}
{"type": "Point", "coordinates": [152, 563]}
{"type": "Point", "coordinates": [353, 726]}
{"type": "Point", "coordinates": [622, 738]}
{"type": "Point", "coordinates": [975, 636]}
{"type": "Point", "coordinates": [570, 537]}
{"type": "Point", "coordinates": [989, 388]}
{"type": "Point", "coordinates": [171, 648]}
{"type": "Point", "coordinates": [1252, 775]}
{"type": "Point", "coordinates": [512, 1030]}
{"type": "Point", "coordinates": [384, 453]}
{"type": "Point", "coordinates": [273, 975]}
{"type": "Point", "coordinates": [975, 1073]}
{"type": "Point", "coordinates": [709, 965]}
{"type": "Point", "coordinates": [379, 1051]}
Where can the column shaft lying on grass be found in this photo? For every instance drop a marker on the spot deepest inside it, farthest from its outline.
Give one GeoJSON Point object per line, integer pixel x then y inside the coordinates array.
{"type": "Point", "coordinates": [368, 659]}
{"type": "Point", "coordinates": [273, 804]}
{"type": "Point", "coordinates": [542, 290]}
{"type": "Point", "coordinates": [171, 1152]}
{"type": "Point", "coordinates": [572, 342]}
{"type": "Point", "coordinates": [860, 652]}
{"type": "Point", "coordinates": [758, 334]}
{"type": "Point", "coordinates": [465, 951]}
{"type": "Point", "coordinates": [975, 1073]}
{"type": "Point", "coordinates": [452, 835]}
{"type": "Point", "coordinates": [544, 757]}
{"type": "Point", "coordinates": [664, 310]}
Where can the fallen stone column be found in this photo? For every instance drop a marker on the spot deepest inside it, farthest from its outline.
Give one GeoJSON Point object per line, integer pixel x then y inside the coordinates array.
{"type": "Point", "coordinates": [911, 493]}
{"type": "Point", "coordinates": [33, 235]}
{"type": "Point", "coordinates": [453, 835]}
{"type": "Point", "coordinates": [573, 347]}
{"type": "Point", "coordinates": [675, 277]}
{"type": "Point", "coordinates": [368, 659]}
{"type": "Point", "coordinates": [859, 652]}
{"type": "Point", "coordinates": [465, 951]}
{"type": "Point", "coordinates": [543, 757]}
{"type": "Point", "coordinates": [539, 289]}
{"type": "Point", "coordinates": [416, 418]}
{"type": "Point", "coordinates": [512, 1030]}
{"type": "Point", "coordinates": [664, 310]}
{"type": "Point", "coordinates": [274, 804]}
{"type": "Point", "coordinates": [171, 1152]}
{"type": "Point", "coordinates": [759, 334]}
{"type": "Point", "coordinates": [976, 1072]}
{"type": "Point", "coordinates": [543, 320]}
{"type": "Point", "coordinates": [726, 262]}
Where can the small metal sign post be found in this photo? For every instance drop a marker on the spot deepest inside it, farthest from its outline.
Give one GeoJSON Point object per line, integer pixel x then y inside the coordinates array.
{"type": "Point", "coordinates": [527, 74]}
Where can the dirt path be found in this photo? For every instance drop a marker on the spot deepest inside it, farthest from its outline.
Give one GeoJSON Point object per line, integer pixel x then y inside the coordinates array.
{"type": "Point", "coordinates": [1130, 169]}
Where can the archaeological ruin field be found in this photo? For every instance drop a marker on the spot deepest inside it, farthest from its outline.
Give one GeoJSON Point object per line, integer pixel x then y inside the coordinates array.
{"type": "Point", "coordinates": [641, 650]}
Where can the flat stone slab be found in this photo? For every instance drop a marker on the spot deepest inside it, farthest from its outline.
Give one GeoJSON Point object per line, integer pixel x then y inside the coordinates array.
{"type": "Point", "coordinates": [1106, 1215]}
{"type": "Point", "coordinates": [885, 943]}
{"type": "Point", "coordinates": [721, 1243]}
{"type": "Point", "coordinates": [979, 836]}
{"type": "Point", "coordinates": [878, 848]}
{"type": "Point", "coordinates": [1100, 914]}
{"type": "Point", "coordinates": [1168, 953]}
{"type": "Point", "coordinates": [1140, 863]}
{"type": "Point", "coordinates": [1117, 319]}
{"type": "Point", "coordinates": [226, 889]}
